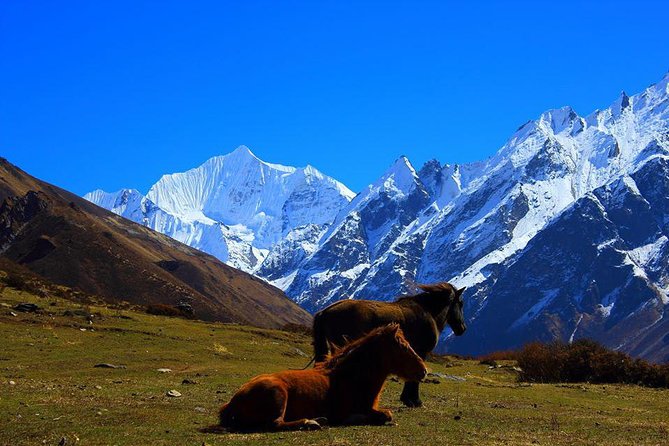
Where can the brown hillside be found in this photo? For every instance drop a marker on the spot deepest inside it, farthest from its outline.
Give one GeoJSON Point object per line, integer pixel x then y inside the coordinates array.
{"type": "Point", "coordinates": [72, 242]}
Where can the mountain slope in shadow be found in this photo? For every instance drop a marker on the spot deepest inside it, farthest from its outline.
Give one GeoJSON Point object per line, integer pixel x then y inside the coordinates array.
{"type": "Point", "coordinates": [72, 242]}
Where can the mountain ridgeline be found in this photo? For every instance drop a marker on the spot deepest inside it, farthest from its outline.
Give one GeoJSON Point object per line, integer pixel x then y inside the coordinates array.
{"type": "Point", "coordinates": [562, 234]}
{"type": "Point", "coordinates": [69, 241]}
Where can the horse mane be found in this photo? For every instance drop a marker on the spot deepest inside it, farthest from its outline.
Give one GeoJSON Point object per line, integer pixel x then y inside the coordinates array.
{"type": "Point", "coordinates": [344, 355]}
{"type": "Point", "coordinates": [434, 308]}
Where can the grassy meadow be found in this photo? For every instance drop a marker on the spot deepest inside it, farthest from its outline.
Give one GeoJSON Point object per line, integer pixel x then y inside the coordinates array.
{"type": "Point", "coordinates": [50, 389]}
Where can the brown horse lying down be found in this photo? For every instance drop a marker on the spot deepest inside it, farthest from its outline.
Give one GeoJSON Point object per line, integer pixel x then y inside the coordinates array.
{"type": "Point", "coordinates": [344, 389]}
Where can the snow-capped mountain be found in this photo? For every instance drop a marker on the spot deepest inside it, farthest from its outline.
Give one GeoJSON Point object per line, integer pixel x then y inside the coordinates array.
{"type": "Point", "coordinates": [472, 224]}
{"type": "Point", "coordinates": [561, 234]}
{"type": "Point", "coordinates": [235, 207]}
{"type": "Point", "coordinates": [599, 270]}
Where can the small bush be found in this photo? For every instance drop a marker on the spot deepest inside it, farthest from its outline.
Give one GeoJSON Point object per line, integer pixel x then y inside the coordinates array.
{"type": "Point", "coordinates": [297, 328]}
{"type": "Point", "coordinates": [165, 310]}
{"type": "Point", "coordinates": [502, 355]}
{"type": "Point", "coordinates": [16, 281]}
{"type": "Point", "coordinates": [587, 361]}
{"type": "Point", "coordinates": [462, 357]}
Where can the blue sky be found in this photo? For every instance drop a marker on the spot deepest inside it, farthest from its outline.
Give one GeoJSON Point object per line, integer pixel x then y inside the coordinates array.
{"type": "Point", "coordinates": [114, 94]}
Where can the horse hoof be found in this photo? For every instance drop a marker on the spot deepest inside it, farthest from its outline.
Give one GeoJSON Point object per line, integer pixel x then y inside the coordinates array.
{"type": "Point", "coordinates": [321, 420]}
{"type": "Point", "coordinates": [312, 425]}
{"type": "Point", "coordinates": [412, 403]}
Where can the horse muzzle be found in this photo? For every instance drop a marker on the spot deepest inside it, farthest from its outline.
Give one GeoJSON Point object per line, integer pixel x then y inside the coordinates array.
{"type": "Point", "coordinates": [460, 330]}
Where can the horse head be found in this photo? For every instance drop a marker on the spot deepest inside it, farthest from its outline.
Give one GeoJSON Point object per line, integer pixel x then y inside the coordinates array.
{"type": "Point", "coordinates": [445, 303]}
{"type": "Point", "coordinates": [402, 359]}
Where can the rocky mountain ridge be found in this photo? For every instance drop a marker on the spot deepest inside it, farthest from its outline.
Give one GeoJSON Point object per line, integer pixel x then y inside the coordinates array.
{"type": "Point", "coordinates": [476, 224]}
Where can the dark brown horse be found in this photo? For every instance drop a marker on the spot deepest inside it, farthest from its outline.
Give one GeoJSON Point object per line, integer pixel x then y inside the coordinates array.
{"type": "Point", "coordinates": [343, 389]}
{"type": "Point", "coordinates": [422, 318]}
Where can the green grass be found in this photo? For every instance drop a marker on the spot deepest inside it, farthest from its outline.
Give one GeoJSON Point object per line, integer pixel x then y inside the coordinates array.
{"type": "Point", "coordinates": [58, 393]}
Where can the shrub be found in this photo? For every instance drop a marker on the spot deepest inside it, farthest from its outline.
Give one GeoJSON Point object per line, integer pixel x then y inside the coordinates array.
{"type": "Point", "coordinates": [165, 310]}
{"type": "Point", "coordinates": [587, 361]}
{"type": "Point", "coordinates": [297, 328]}
{"type": "Point", "coordinates": [501, 355]}
{"type": "Point", "coordinates": [461, 357]}
{"type": "Point", "coordinates": [16, 281]}
{"type": "Point", "coordinates": [540, 362]}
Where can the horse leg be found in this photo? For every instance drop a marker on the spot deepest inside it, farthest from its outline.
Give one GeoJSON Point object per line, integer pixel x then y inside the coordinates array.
{"type": "Point", "coordinates": [303, 424]}
{"type": "Point", "coordinates": [380, 416]}
{"type": "Point", "coordinates": [410, 396]}
{"type": "Point", "coordinates": [281, 425]}
{"type": "Point", "coordinates": [374, 417]}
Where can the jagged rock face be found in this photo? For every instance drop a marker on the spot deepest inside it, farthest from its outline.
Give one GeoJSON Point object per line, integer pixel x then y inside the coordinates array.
{"type": "Point", "coordinates": [362, 235]}
{"type": "Point", "coordinates": [287, 255]}
{"type": "Point", "coordinates": [599, 270]}
{"type": "Point", "coordinates": [16, 212]}
{"type": "Point", "coordinates": [544, 233]}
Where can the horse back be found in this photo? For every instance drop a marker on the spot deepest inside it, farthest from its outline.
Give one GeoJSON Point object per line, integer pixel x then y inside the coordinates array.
{"type": "Point", "coordinates": [348, 320]}
{"type": "Point", "coordinates": [355, 318]}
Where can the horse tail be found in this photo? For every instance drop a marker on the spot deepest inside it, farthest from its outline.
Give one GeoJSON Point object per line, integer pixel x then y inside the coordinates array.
{"type": "Point", "coordinates": [320, 342]}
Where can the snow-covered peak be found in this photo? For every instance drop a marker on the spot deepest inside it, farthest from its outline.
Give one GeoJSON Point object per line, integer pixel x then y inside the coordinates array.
{"type": "Point", "coordinates": [662, 87]}
{"type": "Point", "coordinates": [128, 203]}
{"type": "Point", "coordinates": [620, 104]}
{"type": "Point", "coordinates": [115, 201]}
{"type": "Point", "coordinates": [235, 206]}
{"type": "Point", "coordinates": [235, 187]}
{"type": "Point", "coordinates": [243, 155]}
{"type": "Point", "coordinates": [400, 178]}
{"type": "Point", "coordinates": [560, 120]}
{"type": "Point", "coordinates": [397, 184]}
{"type": "Point", "coordinates": [242, 150]}
{"type": "Point", "coordinates": [313, 175]}
{"type": "Point", "coordinates": [442, 183]}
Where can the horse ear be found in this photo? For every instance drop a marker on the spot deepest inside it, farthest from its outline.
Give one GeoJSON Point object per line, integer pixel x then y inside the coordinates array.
{"type": "Point", "coordinates": [459, 292]}
{"type": "Point", "coordinates": [431, 288]}
{"type": "Point", "coordinates": [393, 328]}
{"type": "Point", "coordinates": [332, 347]}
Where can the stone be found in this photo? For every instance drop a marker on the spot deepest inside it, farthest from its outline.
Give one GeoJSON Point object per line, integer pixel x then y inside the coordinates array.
{"type": "Point", "coordinates": [106, 365]}
{"type": "Point", "coordinates": [431, 381]}
{"type": "Point", "coordinates": [454, 378]}
{"type": "Point", "coordinates": [300, 352]}
{"type": "Point", "coordinates": [26, 307]}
